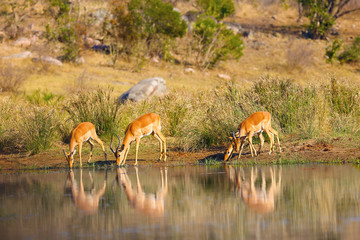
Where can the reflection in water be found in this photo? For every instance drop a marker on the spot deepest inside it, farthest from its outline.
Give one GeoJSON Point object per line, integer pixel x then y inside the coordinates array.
{"type": "Point", "coordinates": [260, 200]}
{"type": "Point", "coordinates": [147, 203]}
{"type": "Point", "coordinates": [88, 203]}
{"type": "Point", "coordinates": [300, 201]}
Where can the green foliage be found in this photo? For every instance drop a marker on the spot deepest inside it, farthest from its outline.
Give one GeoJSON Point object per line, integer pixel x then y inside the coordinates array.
{"type": "Point", "coordinates": [98, 107]}
{"type": "Point", "coordinates": [351, 53]}
{"type": "Point", "coordinates": [66, 28]}
{"type": "Point", "coordinates": [321, 19]}
{"type": "Point", "coordinates": [217, 8]}
{"type": "Point", "coordinates": [144, 24]}
{"type": "Point", "coordinates": [43, 98]}
{"type": "Point", "coordinates": [331, 51]}
{"type": "Point", "coordinates": [213, 42]}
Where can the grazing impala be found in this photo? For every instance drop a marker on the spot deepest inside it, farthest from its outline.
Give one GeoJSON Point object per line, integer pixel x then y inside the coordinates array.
{"type": "Point", "coordinates": [83, 132]}
{"type": "Point", "coordinates": [260, 200]}
{"type": "Point", "coordinates": [143, 126]}
{"type": "Point", "coordinates": [255, 124]}
{"type": "Point", "coordinates": [146, 203]}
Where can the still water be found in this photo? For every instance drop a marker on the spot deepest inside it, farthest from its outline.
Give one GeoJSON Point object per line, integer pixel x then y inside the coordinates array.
{"type": "Point", "coordinates": [193, 202]}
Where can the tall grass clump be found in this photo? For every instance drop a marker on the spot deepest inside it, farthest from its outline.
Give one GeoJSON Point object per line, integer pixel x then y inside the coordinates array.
{"type": "Point", "coordinates": [39, 129]}
{"type": "Point", "coordinates": [27, 128]}
{"type": "Point", "coordinates": [98, 107]}
{"type": "Point", "coordinates": [345, 110]}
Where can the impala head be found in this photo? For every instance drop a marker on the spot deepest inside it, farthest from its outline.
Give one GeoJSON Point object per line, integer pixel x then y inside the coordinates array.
{"type": "Point", "coordinates": [117, 152]}
{"type": "Point", "coordinates": [229, 151]}
{"type": "Point", "coordinates": [70, 157]}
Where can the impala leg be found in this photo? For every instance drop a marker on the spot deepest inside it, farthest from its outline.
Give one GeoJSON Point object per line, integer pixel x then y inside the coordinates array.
{"type": "Point", "coordinates": [277, 136]}
{"type": "Point", "coordinates": [241, 148]}
{"type": "Point", "coordinates": [80, 147]}
{"type": "Point", "coordinates": [271, 137]}
{"type": "Point", "coordinates": [125, 156]}
{"type": "Point", "coordinates": [252, 148]}
{"type": "Point", "coordinates": [137, 150]}
{"type": "Point", "coordinates": [91, 149]}
{"type": "Point", "coordinates": [161, 147]}
{"type": "Point", "coordinates": [97, 139]}
{"type": "Point", "coordinates": [262, 140]}
{"type": "Point", "coordinates": [162, 142]}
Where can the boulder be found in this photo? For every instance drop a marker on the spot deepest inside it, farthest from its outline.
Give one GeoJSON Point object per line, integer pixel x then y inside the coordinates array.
{"type": "Point", "coordinates": [47, 59]}
{"type": "Point", "coordinates": [21, 55]}
{"type": "Point", "coordinates": [144, 89]}
{"type": "Point", "coordinates": [22, 42]}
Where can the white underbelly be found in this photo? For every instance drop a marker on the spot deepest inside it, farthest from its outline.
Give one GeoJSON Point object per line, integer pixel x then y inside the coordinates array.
{"type": "Point", "coordinates": [147, 134]}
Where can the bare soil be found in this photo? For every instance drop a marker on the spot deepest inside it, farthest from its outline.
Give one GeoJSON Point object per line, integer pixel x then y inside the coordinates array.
{"type": "Point", "coordinates": [310, 151]}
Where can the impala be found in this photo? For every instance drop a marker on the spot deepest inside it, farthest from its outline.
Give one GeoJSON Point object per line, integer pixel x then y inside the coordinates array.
{"type": "Point", "coordinates": [143, 126]}
{"type": "Point", "coordinates": [83, 132]}
{"type": "Point", "coordinates": [255, 124]}
{"type": "Point", "coordinates": [146, 203]}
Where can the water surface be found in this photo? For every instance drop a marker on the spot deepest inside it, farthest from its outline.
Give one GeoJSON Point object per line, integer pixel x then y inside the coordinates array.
{"type": "Point", "coordinates": [194, 202]}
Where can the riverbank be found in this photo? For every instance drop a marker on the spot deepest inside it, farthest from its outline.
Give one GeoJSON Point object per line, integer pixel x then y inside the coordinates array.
{"type": "Point", "coordinates": [337, 150]}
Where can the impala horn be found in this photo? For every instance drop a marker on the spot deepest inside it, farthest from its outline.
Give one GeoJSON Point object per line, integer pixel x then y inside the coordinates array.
{"type": "Point", "coordinates": [65, 153]}
{"type": "Point", "coordinates": [112, 141]}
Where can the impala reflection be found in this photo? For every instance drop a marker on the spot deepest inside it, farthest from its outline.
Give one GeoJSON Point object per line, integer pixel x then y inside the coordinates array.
{"type": "Point", "coordinates": [86, 202]}
{"type": "Point", "coordinates": [259, 199]}
{"type": "Point", "coordinates": [146, 203]}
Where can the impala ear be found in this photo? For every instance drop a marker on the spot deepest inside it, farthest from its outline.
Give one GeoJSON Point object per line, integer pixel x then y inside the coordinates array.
{"type": "Point", "coordinates": [231, 138]}
{"type": "Point", "coordinates": [73, 152]}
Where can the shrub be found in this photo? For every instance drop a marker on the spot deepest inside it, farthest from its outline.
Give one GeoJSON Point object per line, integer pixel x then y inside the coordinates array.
{"type": "Point", "coordinates": [11, 78]}
{"type": "Point", "coordinates": [148, 24]}
{"type": "Point", "coordinates": [351, 53]}
{"type": "Point", "coordinates": [331, 51]}
{"type": "Point", "coordinates": [213, 42]}
{"type": "Point", "coordinates": [323, 14]}
{"type": "Point", "coordinates": [217, 8]}
{"type": "Point", "coordinates": [299, 56]}
{"type": "Point", "coordinates": [66, 28]}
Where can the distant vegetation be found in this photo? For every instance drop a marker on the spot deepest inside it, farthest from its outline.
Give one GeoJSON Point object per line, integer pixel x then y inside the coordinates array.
{"type": "Point", "coordinates": [195, 120]}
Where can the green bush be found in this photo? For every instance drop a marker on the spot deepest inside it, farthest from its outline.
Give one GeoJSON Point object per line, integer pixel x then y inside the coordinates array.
{"type": "Point", "coordinates": [321, 19]}
{"type": "Point", "coordinates": [351, 53]}
{"type": "Point", "coordinates": [213, 42]}
{"type": "Point", "coordinates": [217, 8]}
{"type": "Point", "coordinates": [144, 24]}
{"type": "Point", "coordinates": [65, 29]}
{"type": "Point", "coordinates": [331, 51]}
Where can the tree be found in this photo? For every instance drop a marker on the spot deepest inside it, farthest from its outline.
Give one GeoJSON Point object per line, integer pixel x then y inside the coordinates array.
{"type": "Point", "coordinates": [149, 24]}
{"type": "Point", "coordinates": [323, 14]}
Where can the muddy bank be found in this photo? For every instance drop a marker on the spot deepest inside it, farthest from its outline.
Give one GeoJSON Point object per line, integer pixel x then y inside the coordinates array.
{"type": "Point", "coordinates": [291, 153]}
